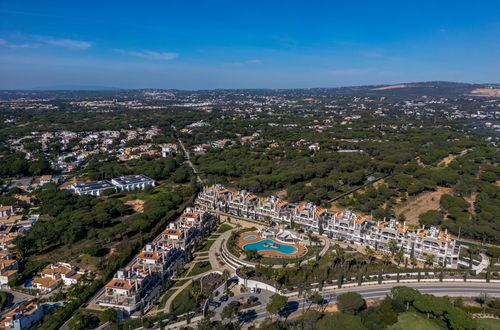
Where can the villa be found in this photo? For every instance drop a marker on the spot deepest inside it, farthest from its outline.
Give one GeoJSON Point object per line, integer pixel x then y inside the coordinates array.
{"type": "Point", "coordinates": [55, 274]}
{"type": "Point", "coordinates": [346, 226]}
{"type": "Point", "coordinates": [21, 317]}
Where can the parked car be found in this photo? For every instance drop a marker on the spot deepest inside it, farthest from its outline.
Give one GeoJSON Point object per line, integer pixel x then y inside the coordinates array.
{"type": "Point", "coordinates": [224, 298]}
{"type": "Point", "coordinates": [214, 304]}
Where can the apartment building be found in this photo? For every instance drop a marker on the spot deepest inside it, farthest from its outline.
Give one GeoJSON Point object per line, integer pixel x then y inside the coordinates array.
{"type": "Point", "coordinates": [125, 183]}
{"type": "Point", "coordinates": [133, 182]}
{"type": "Point", "coordinates": [94, 188]}
{"type": "Point", "coordinates": [23, 316]}
{"type": "Point", "coordinates": [346, 225]}
{"type": "Point", "coordinates": [138, 284]}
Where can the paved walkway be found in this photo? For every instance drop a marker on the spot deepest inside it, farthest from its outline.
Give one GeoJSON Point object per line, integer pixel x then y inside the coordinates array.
{"type": "Point", "coordinates": [212, 258]}
{"type": "Point", "coordinates": [485, 262]}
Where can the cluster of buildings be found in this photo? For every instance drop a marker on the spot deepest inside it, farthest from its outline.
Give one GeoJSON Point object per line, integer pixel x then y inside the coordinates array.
{"type": "Point", "coordinates": [124, 183]}
{"type": "Point", "coordinates": [55, 275]}
{"type": "Point", "coordinates": [12, 224]}
{"type": "Point", "coordinates": [138, 284]}
{"type": "Point", "coordinates": [419, 242]}
{"type": "Point", "coordinates": [68, 150]}
{"type": "Point", "coordinates": [22, 316]}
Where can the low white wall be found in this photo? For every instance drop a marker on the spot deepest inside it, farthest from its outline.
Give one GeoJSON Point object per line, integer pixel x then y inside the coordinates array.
{"type": "Point", "coordinates": [256, 284]}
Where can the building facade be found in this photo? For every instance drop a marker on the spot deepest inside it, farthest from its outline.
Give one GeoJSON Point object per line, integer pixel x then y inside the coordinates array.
{"type": "Point", "coordinates": [347, 226]}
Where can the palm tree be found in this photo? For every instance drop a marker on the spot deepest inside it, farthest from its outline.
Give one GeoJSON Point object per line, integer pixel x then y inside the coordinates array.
{"type": "Point", "coordinates": [399, 256]}
{"type": "Point", "coordinates": [225, 274]}
{"type": "Point", "coordinates": [195, 291]}
{"type": "Point", "coordinates": [413, 261]}
{"type": "Point", "coordinates": [386, 259]}
{"type": "Point", "coordinates": [430, 259]}
{"type": "Point", "coordinates": [370, 254]}
{"type": "Point", "coordinates": [393, 246]}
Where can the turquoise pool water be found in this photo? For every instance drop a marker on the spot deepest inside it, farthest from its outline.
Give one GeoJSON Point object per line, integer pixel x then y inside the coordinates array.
{"type": "Point", "coordinates": [268, 245]}
{"type": "Point", "coordinates": [250, 237]}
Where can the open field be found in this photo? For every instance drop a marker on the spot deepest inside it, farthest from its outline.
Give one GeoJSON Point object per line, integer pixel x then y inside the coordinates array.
{"type": "Point", "coordinates": [488, 324]}
{"type": "Point", "coordinates": [424, 202]}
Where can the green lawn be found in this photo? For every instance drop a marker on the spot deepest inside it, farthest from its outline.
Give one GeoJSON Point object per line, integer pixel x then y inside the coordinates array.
{"type": "Point", "coordinates": [165, 297]}
{"type": "Point", "coordinates": [413, 321]}
{"type": "Point", "coordinates": [207, 245]}
{"type": "Point", "coordinates": [179, 283]}
{"type": "Point", "coordinates": [223, 228]}
{"type": "Point", "coordinates": [214, 236]}
{"type": "Point", "coordinates": [183, 303]}
{"type": "Point", "coordinates": [488, 324]}
{"type": "Point", "coordinates": [200, 267]}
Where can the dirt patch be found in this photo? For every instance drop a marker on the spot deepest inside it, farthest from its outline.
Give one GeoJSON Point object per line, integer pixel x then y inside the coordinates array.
{"type": "Point", "coordinates": [69, 183]}
{"type": "Point", "coordinates": [137, 205]}
{"type": "Point", "coordinates": [281, 194]}
{"type": "Point", "coordinates": [486, 92]}
{"type": "Point", "coordinates": [390, 87]}
{"type": "Point", "coordinates": [447, 160]}
{"type": "Point", "coordinates": [424, 202]}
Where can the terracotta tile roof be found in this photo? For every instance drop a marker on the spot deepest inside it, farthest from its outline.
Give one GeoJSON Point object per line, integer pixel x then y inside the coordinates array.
{"type": "Point", "coordinates": [361, 220]}
{"type": "Point", "coordinates": [46, 282]}
{"type": "Point", "coordinates": [173, 231]}
{"type": "Point", "coordinates": [320, 211]}
{"type": "Point", "coordinates": [120, 284]}
{"type": "Point", "coordinates": [421, 232]}
{"type": "Point", "coordinates": [57, 270]}
{"type": "Point", "coordinates": [382, 224]}
{"type": "Point", "coordinates": [444, 237]}
{"type": "Point", "coordinates": [149, 255]}
{"type": "Point", "coordinates": [251, 197]}
{"type": "Point", "coordinates": [190, 215]}
{"type": "Point", "coordinates": [282, 203]}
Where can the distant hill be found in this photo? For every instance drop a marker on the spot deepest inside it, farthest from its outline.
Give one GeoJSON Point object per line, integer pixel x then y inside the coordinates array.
{"type": "Point", "coordinates": [444, 89]}
{"type": "Point", "coordinates": [417, 89]}
{"type": "Point", "coordinates": [74, 88]}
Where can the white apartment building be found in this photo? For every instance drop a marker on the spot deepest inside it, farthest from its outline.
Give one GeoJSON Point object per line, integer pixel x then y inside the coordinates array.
{"type": "Point", "coordinates": [345, 225]}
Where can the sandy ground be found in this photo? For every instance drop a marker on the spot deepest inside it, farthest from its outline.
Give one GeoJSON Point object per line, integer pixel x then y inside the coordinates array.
{"type": "Point", "coordinates": [137, 205]}
{"type": "Point", "coordinates": [447, 160]}
{"type": "Point", "coordinates": [486, 91]}
{"type": "Point", "coordinates": [390, 87]}
{"type": "Point", "coordinates": [68, 183]}
{"type": "Point", "coordinates": [424, 202]}
{"type": "Point", "coordinates": [281, 194]}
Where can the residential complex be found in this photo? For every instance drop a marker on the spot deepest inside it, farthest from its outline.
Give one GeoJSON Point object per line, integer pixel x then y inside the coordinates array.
{"type": "Point", "coordinates": [21, 317]}
{"type": "Point", "coordinates": [137, 285]}
{"type": "Point", "coordinates": [419, 242]}
{"type": "Point", "coordinates": [96, 188]}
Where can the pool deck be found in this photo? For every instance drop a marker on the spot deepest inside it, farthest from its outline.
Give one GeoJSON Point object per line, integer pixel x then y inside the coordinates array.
{"type": "Point", "coordinates": [301, 250]}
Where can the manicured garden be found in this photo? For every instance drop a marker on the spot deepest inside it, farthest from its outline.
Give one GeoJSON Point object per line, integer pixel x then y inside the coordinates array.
{"type": "Point", "coordinates": [208, 244]}
{"type": "Point", "coordinates": [223, 228]}
{"type": "Point", "coordinates": [200, 267]}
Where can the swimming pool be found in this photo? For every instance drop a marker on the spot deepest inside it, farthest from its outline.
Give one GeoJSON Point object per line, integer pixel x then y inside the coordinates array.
{"type": "Point", "coordinates": [269, 245]}
{"type": "Point", "coordinates": [250, 237]}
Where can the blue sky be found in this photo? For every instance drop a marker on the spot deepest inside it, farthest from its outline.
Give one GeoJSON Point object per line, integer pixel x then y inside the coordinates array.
{"type": "Point", "coordinates": [246, 44]}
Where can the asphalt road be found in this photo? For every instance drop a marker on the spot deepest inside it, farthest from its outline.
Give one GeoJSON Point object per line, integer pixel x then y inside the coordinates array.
{"type": "Point", "coordinates": [379, 291]}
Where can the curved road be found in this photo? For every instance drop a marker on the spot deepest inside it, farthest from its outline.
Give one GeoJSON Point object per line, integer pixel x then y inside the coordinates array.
{"type": "Point", "coordinates": [379, 291]}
